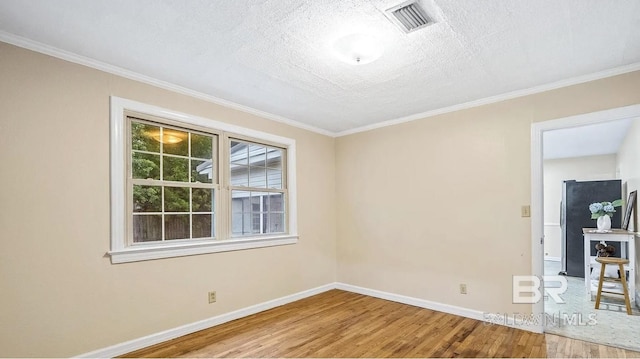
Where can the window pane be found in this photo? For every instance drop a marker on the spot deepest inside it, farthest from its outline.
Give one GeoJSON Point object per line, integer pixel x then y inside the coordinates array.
{"type": "Point", "coordinates": [257, 212]}
{"type": "Point", "coordinates": [175, 142]}
{"type": "Point", "coordinates": [257, 224]}
{"type": "Point", "coordinates": [257, 177]}
{"type": "Point", "coordinates": [202, 226]}
{"type": "Point", "coordinates": [176, 199]}
{"type": "Point", "coordinates": [201, 171]}
{"type": "Point", "coordinates": [202, 200]}
{"type": "Point", "coordinates": [175, 169]}
{"type": "Point", "coordinates": [274, 178]}
{"type": "Point", "coordinates": [147, 198]}
{"type": "Point", "coordinates": [240, 201]}
{"type": "Point", "coordinates": [239, 175]}
{"type": "Point", "coordinates": [257, 155]}
{"type": "Point", "coordinates": [274, 158]}
{"type": "Point", "coordinates": [239, 153]}
{"type": "Point", "coordinates": [145, 165]}
{"type": "Point", "coordinates": [141, 137]}
{"type": "Point", "coordinates": [240, 223]}
{"type": "Point", "coordinates": [275, 202]}
{"type": "Point", "coordinates": [147, 228]}
{"type": "Point", "coordinates": [241, 212]}
{"type": "Point", "coordinates": [201, 146]}
{"type": "Point", "coordinates": [257, 200]}
{"type": "Point", "coordinates": [276, 222]}
{"type": "Point", "coordinates": [176, 226]}
{"type": "Point", "coordinates": [258, 215]}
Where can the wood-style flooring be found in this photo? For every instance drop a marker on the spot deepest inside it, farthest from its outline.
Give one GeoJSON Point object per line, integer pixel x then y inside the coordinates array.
{"type": "Point", "coordinates": [344, 324]}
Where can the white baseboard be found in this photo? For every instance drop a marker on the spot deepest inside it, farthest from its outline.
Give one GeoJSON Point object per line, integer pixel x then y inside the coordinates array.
{"type": "Point", "coordinates": [553, 259]}
{"type": "Point", "coordinates": [417, 302]}
{"type": "Point", "coordinates": [489, 318]}
{"type": "Point", "coordinates": [163, 336]}
{"type": "Point", "coordinates": [135, 344]}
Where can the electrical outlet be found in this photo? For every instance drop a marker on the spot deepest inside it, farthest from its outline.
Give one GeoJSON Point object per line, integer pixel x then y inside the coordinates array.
{"type": "Point", "coordinates": [526, 211]}
{"type": "Point", "coordinates": [212, 297]}
{"type": "Point", "coordinates": [463, 289]}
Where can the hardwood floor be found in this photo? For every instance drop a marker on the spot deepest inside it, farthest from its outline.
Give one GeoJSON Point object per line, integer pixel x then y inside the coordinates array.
{"type": "Point", "coordinates": [344, 324]}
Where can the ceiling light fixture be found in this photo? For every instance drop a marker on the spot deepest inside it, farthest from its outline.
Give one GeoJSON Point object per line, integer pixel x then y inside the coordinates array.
{"type": "Point", "coordinates": [358, 49]}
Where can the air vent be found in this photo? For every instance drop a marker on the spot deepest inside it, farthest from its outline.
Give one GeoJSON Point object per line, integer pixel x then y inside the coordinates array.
{"type": "Point", "coordinates": [409, 16]}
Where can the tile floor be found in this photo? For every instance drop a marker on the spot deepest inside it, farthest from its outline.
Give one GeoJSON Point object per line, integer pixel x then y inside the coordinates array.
{"type": "Point", "coordinates": [577, 318]}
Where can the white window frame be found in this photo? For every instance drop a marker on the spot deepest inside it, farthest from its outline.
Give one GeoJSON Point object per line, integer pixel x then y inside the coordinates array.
{"type": "Point", "coordinates": [121, 252]}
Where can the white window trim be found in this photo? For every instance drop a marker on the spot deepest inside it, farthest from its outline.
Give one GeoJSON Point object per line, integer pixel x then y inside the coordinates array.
{"type": "Point", "coordinates": [121, 253]}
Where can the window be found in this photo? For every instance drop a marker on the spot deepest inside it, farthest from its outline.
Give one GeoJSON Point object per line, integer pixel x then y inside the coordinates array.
{"type": "Point", "coordinates": [257, 188]}
{"type": "Point", "coordinates": [173, 185]}
{"type": "Point", "coordinates": [184, 185]}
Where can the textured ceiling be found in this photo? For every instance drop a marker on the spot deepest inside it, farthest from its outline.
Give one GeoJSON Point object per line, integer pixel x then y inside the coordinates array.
{"type": "Point", "coordinates": [275, 55]}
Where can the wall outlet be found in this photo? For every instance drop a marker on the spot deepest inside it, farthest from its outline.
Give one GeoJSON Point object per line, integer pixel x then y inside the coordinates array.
{"type": "Point", "coordinates": [463, 289]}
{"type": "Point", "coordinates": [525, 211]}
{"type": "Point", "coordinates": [212, 297]}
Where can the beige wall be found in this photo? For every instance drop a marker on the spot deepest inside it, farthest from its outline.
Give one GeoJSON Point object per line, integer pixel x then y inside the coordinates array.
{"type": "Point", "coordinates": [415, 208]}
{"type": "Point", "coordinates": [589, 168]}
{"type": "Point", "coordinates": [629, 167]}
{"type": "Point", "coordinates": [426, 205]}
{"type": "Point", "coordinates": [61, 296]}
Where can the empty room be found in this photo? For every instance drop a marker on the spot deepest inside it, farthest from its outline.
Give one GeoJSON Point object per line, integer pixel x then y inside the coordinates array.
{"type": "Point", "coordinates": [339, 178]}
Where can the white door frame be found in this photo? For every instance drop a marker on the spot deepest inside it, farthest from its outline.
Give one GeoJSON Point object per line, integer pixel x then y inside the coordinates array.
{"type": "Point", "coordinates": [537, 190]}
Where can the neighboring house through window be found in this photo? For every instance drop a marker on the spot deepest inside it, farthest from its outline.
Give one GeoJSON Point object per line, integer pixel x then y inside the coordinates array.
{"type": "Point", "coordinates": [257, 188]}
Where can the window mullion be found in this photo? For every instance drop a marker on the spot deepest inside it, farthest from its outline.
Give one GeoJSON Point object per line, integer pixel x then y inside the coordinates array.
{"type": "Point", "coordinates": [221, 199]}
{"type": "Point", "coordinates": [161, 156]}
{"type": "Point", "coordinates": [162, 223]}
{"type": "Point", "coordinates": [257, 189]}
{"type": "Point", "coordinates": [215, 157]}
{"type": "Point", "coordinates": [151, 182]}
{"type": "Point", "coordinates": [261, 214]}
{"type": "Point", "coordinates": [191, 213]}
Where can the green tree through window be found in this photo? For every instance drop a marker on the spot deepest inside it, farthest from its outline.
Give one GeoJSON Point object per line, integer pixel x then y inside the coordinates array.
{"type": "Point", "coordinates": [172, 182]}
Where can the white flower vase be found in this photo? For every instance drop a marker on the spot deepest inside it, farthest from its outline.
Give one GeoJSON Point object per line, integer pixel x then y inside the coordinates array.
{"type": "Point", "coordinates": [604, 223]}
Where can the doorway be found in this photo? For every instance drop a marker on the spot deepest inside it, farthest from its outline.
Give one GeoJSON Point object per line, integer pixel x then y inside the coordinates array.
{"type": "Point", "coordinates": [576, 318]}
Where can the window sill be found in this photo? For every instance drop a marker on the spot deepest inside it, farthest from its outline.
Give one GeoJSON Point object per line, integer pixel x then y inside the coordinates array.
{"type": "Point", "coordinates": [148, 252]}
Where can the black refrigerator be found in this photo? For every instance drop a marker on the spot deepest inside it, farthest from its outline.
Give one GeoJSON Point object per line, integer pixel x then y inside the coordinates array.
{"type": "Point", "coordinates": [575, 215]}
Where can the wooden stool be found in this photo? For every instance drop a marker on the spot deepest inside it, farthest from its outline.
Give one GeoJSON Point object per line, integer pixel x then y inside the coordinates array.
{"type": "Point", "coordinates": [620, 262]}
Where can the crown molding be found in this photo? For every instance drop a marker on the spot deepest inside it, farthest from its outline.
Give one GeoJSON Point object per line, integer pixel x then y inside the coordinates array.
{"type": "Point", "coordinates": [92, 63]}
{"type": "Point", "coordinates": [115, 70]}
{"type": "Point", "coordinates": [502, 97]}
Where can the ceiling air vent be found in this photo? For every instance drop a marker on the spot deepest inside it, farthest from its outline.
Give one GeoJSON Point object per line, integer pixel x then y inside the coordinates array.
{"type": "Point", "coordinates": [409, 16]}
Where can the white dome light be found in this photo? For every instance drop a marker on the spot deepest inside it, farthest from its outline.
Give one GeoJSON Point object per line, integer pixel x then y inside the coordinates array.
{"type": "Point", "coordinates": [358, 49]}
